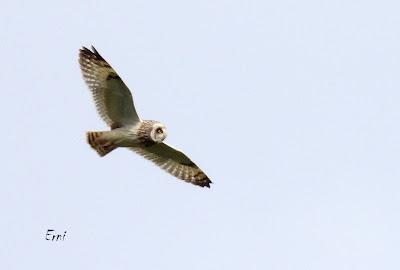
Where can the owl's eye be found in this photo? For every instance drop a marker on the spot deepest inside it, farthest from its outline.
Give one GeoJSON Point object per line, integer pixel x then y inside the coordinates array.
{"type": "Point", "coordinates": [159, 130]}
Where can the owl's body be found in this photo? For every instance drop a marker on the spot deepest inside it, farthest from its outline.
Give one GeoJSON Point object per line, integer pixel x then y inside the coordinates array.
{"type": "Point", "coordinates": [115, 105]}
{"type": "Point", "coordinates": [141, 133]}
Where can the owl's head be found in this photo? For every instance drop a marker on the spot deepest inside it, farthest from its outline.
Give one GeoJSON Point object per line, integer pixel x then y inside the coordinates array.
{"type": "Point", "coordinates": [158, 132]}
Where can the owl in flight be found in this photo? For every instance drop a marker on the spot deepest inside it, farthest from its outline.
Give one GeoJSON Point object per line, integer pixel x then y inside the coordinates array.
{"type": "Point", "coordinates": [115, 105]}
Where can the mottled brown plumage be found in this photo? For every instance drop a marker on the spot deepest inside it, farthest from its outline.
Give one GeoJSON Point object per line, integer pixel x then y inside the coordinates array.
{"type": "Point", "coordinates": [115, 105]}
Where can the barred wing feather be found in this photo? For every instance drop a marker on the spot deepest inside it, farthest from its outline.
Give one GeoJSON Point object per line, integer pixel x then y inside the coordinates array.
{"type": "Point", "coordinates": [174, 162]}
{"type": "Point", "coordinates": [112, 97]}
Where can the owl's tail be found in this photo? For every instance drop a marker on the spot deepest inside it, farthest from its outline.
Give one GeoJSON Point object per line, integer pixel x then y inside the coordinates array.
{"type": "Point", "coordinates": [101, 145]}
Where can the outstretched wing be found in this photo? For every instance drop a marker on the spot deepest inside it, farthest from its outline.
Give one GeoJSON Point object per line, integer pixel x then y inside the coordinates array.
{"type": "Point", "coordinates": [112, 97]}
{"type": "Point", "coordinates": [175, 162]}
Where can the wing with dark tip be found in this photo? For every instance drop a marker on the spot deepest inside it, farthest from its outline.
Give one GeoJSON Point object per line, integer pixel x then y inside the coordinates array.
{"type": "Point", "coordinates": [112, 97]}
{"type": "Point", "coordinates": [174, 162]}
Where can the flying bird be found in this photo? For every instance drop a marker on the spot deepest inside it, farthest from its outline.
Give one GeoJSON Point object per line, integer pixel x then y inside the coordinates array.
{"type": "Point", "coordinates": [115, 105]}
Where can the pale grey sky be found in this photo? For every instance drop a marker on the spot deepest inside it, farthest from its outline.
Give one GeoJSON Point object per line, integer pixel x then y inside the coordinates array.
{"type": "Point", "coordinates": [291, 107]}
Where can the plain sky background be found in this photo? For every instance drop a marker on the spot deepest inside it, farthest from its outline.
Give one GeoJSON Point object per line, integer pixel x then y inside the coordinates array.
{"type": "Point", "coordinates": [291, 107]}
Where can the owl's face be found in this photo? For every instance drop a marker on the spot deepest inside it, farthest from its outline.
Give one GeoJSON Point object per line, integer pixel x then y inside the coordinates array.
{"type": "Point", "coordinates": [158, 132]}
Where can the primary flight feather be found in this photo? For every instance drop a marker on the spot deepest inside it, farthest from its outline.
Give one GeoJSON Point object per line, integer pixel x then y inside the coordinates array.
{"type": "Point", "coordinates": [115, 105]}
